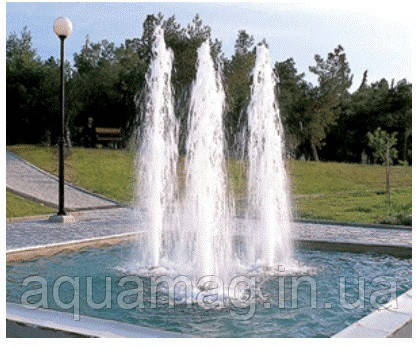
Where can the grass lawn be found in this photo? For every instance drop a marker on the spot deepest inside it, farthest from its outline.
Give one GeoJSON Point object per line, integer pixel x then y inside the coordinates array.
{"type": "Point", "coordinates": [321, 190]}
{"type": "Point", "coordinates": [17, 206]}
{"type": "Point", "coordinates": [351, 192]}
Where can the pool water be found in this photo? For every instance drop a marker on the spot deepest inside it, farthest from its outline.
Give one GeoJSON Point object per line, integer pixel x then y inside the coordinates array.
{"type": "Point", "coordinates": [276, 311]}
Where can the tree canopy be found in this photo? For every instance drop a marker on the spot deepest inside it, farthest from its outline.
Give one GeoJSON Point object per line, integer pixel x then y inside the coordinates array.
{"type": "Point", "coordinates": [322, 121]}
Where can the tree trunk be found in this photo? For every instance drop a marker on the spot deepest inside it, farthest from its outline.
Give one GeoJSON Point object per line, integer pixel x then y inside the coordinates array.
{"type": "Point", "coordinates": [388, 176]}
{"type": "Point", "coordinates": [407, 132]}
{"type": "Point", "coordinates": [314, 151]}
{"type": "Point", "coordinates": [67, 138]}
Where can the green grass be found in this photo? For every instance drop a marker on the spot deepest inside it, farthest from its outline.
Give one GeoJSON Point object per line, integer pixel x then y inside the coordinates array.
{"type": "Point", "coordinates": [321, 190]}
{"type": "Point", "coordinates": [351, 192]}
{"type": "Point", "coordinates": [369, 207]}
{"type": "Point", "coordinates": [328, 177]}
{"type": "Point", "coordinates": [17, 206]}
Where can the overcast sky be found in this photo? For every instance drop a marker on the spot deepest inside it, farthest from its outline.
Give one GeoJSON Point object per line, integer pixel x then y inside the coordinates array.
{"type": "Point", "coordinates": [374, 38]}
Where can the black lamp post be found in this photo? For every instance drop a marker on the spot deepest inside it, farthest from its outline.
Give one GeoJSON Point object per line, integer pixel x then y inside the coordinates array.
{"type": "Point", "coordinates": [63, 28]}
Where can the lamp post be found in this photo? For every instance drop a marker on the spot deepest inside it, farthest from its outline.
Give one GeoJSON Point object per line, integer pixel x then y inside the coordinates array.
{"type": "Point", "coordinates": [62, 28]}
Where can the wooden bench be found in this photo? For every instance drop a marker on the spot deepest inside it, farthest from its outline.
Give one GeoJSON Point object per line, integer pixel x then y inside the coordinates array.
{"type": "Point", "coordinates": [109, 136]}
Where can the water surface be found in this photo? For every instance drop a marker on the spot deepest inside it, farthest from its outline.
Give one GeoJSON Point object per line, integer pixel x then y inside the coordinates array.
{"type": "Point", "coordinates": [303, 321]}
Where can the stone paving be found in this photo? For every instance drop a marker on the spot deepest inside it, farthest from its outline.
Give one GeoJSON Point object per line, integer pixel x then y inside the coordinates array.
{"type": "Point", "coordinates": [102, 223]}
{"type": "Point", "coordinates": [352, 234]}
{"type": "Point", "coordinates": [30, 181]}
{"type": "Point", "coordinates": [89, 224]}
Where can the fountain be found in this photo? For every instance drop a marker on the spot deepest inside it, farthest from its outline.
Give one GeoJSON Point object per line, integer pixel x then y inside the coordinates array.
{"type": "Point", "coordinates": [268, 207]}
{"type": "Point", "coordinates": [191, 233]}
{"type": "Point", "coordinates": [158, 154]}
{"type": "Point", "coordinates": [206, 207]}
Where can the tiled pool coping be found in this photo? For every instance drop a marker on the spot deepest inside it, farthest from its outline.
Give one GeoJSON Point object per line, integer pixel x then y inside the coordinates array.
{"type": "Point", "coordinates": [393, 319]}
{"type": "Point", "coordinates": [25, 254]}
{"type": "Point", "coordinates": [50, 323]}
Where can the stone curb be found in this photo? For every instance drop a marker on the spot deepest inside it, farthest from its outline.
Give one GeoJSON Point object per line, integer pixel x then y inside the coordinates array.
{"type": "Point", "coordinates": [349, 224]}
{"type": "Point", "coordinates": [394, 319]}
{"type": "Point", "coordinates": [55, 206]}
{"type": "Point", "coordinates": [30, 253]}
{"type": "Point", "coordinates": [36, 321]}
{"type": "Point", "coordinates": [353, 247]}
{"type": "Point", "coordinates": [353, 224]}
{"type": "Point", "coordinates": [31, 198]}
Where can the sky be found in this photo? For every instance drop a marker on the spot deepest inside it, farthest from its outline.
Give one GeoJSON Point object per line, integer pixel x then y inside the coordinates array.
{"type": "Point", "coordinates": [376, 38]}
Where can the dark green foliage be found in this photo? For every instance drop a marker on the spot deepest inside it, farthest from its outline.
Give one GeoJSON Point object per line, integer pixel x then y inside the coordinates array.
{"type": "Point", "coordinates": [295, 105]}
{"type": "Point", "coordinates": [334, 78]}
{"type": "Point", "coordinates": [323, 121]}
{"type": "Point", "coordinates": [371, 106]}
{"type": "Point", "coordinates": [30, 98]}
{"type": "Point", "coordinates": [237, 78]}
{"type": "Point", "coordinates": [106, 80]}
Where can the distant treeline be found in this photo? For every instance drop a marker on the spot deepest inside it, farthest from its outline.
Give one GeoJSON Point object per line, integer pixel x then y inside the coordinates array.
{"type": "Point", "coordinates": [323, 121]}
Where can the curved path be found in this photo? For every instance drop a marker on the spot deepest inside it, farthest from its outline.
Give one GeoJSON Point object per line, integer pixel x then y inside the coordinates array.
{"type": "Point", "coordinates": [25, 179]}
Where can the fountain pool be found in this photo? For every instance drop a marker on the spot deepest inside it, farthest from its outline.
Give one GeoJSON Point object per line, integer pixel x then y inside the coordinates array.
{"type": "Point", "coordinates": [267, 319]}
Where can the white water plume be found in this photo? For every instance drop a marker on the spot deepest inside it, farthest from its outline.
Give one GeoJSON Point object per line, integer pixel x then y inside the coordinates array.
{"type": "Point", "coordinates": [158, 154]}
{"type": "Point", "coordinates": [206, 226]}
{"type": "Point", "coordinates": [268, 205]}
{"type": "Point", "coordinates": [190, 233]}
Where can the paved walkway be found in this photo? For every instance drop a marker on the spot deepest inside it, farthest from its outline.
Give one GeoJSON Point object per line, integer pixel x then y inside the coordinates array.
{"type": "Point", "coordinates": [89, 224]}
{"type": "Point", "coordinates": [32, 182]}
{"type": "Point", "coordinates": [102, 223]}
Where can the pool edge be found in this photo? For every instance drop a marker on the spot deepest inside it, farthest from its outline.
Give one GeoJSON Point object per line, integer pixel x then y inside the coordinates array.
{"type": "Point", "coordinates": [33, 252]}
{"type": "Point", "coordinates": [42, 322]}
{"type": "Point", "coordinates": [30, 253]}
{"type": "Point", "coordinates": [392, 320]}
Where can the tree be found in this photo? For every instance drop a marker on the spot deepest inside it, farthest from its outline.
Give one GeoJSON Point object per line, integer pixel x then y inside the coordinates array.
{"type": "Point", "coordinates": [381, 142]}
{"type": "Point", "coordinates": [294, 103]}
{"type": "Point", "coordinates": [379, 104]}
{"type": "Point", "coordinates": [27, 87]}
{"type": "Point", "coordinates": [237, 72]}
{"type": "Point", "coordinates": [384, 151]}
{"type": "Point", "coordinates": [334, 78]}
{"type": "Point", "coordinates": [244, 43]}
{"type": "Point", "coordinates": [106, 81]}
{"type": "Point", "coordinates": [400, 116]}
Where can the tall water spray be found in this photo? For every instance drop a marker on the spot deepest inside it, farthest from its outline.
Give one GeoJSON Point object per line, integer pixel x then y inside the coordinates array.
{"type": "Point", "coordinates": [269, 240]}
{"type": "Point", "coordinates": [192, 234]}
{"type": "Point", "coordinates": [158, 153]}
{"type": "Point", "coordinates": [206, 205]}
